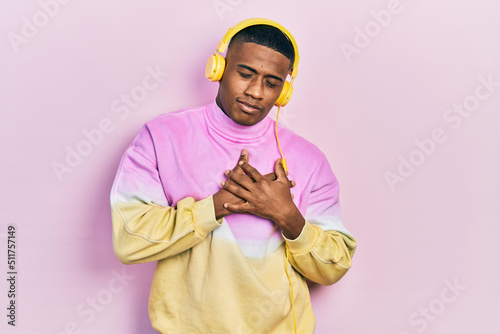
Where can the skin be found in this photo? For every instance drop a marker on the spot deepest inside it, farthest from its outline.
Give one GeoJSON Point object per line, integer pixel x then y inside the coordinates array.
{"type": "Point", "coordinates": [250, 86]}
{"type": "Point", "coordinates": [254, 76]}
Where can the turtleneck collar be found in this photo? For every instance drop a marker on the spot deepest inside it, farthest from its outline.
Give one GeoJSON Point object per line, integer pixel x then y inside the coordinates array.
{"type": "Point", "coordinates": [234, 132]}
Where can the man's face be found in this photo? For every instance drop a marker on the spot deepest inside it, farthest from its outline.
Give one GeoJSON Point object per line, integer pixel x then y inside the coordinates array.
{"type": "Point", "coordinates": [252, 82]}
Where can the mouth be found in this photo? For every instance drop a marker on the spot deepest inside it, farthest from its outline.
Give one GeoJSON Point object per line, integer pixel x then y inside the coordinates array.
{"type": "Point", "coordinates": [249, 108]}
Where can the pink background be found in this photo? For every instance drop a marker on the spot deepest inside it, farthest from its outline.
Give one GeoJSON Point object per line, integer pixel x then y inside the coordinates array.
{"type": "Point", "coordinates": [437, 226]}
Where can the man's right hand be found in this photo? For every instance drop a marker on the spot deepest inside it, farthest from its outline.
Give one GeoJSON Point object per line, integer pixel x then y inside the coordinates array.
{"type": "Point", "coordinates": [224, 196]}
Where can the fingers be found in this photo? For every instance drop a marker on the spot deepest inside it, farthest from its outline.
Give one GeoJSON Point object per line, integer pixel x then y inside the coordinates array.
{"type": "Point", "coordinates": [238, 179]}
{"type": "Point", "coordinates": [244, 165]}
{"type": "Point", "coordinates": [292, 182]}
{"type": "Point", "coordinates": [271, 176]}
{"type": "Point", "coordinates": [241, 208]}
{"type": "Point", "coordinates": [251, 171]}
{"type": "Point", "coordinates": [279, 170]}
{"type": "Point", "coordinates": [235, 189]}
{"type": "Point", "coordinates": [243, 158]}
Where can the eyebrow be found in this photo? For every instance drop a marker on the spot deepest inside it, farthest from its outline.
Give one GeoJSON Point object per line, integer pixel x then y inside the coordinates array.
{"type": "Point", "coordinates": [255, 71]}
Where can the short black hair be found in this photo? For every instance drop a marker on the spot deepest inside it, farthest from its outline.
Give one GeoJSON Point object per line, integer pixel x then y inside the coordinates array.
{"type": "Point", "coordinates": [268, 36]}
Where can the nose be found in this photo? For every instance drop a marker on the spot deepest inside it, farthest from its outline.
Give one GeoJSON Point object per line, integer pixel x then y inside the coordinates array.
{"type": "Point", "coordinates": [255, 88]}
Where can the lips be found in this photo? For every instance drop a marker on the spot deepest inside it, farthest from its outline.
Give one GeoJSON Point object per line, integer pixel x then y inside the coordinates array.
{"type": "Point", "coordinates": [248, 107]}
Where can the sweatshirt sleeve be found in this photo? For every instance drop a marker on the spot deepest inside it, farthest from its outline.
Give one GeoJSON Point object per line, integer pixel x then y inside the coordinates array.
{"type": "Point", "coordinates": [323, 251]}
{"type": "Point", "coordinates": [146, 227]}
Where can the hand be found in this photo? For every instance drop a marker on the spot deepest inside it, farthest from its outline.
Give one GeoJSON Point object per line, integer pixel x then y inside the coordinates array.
{"type": "Point", "coordinates": [265, 197]}
{"type": "Point", "coordinates": [224, 196]}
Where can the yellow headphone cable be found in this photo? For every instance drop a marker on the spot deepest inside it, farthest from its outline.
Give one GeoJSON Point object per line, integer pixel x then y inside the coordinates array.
{"type": "Point", "coordinates": [283, 161]}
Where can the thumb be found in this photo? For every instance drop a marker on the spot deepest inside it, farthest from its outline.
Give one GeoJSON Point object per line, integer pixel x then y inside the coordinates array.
{"type": "Point", "coordinates": [245, 156]}
{"type": "Point", "coordinates": [279, 170]}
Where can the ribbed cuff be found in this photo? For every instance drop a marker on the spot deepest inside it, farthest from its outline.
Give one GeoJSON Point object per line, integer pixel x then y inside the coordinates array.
{"type": "Point", "coordinates": [305, 241]}
{"type": "Point", "coordinates": [204, 216]}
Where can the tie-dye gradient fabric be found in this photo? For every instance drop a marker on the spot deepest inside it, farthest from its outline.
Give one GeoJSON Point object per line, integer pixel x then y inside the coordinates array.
{"type": "Point", "coordinates": [226, 275]}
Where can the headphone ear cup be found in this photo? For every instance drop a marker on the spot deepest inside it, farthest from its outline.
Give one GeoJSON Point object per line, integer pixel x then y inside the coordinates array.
{"type": "Point", "coordinates": [285, 95]}
{"type": "Point", "coordinates": [215, 67]}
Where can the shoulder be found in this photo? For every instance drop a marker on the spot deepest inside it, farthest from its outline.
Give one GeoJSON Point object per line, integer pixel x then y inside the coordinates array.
{"type": "Point", "coordinates": [167, 129]}
{"type": "Point", "coordinates": [176, 119]}
{"type": "Point", "coordinates": [298, 146]}
{"type": "Point", "coordinates": [305, 159]}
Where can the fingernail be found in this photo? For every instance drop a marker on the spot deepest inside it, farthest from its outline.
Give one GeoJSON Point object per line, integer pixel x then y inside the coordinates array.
{"type": "Point", "coordinates": [223, 183]}
{"type": "Point", "coordinates": [240, 163]}
{"type": "Point", "coordinates": [225, 205]}
{"type": "Point", "coordinates": [226, 172]}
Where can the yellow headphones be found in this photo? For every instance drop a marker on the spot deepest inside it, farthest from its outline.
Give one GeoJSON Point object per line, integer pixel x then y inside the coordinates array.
{"type": "Point", "coordinates": [216, 63]}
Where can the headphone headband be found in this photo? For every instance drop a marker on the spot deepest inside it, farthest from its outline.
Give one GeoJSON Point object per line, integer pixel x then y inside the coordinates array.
{"type": "Point", "coordinates": [256, 21]}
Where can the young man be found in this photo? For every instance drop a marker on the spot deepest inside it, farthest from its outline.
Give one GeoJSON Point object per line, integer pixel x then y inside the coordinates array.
{"type": "Point", "coordinates": [202, 192]}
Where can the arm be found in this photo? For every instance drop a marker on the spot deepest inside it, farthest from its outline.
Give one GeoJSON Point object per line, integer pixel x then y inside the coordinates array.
{"type": "Point", "coordinates": [146, 227]}
{"type": "Point", "coordinates": [321, 248]}
{"type": "Point", "coordinates": [324, 249]}
{"type": "Point", "coordinates": [321, 256]}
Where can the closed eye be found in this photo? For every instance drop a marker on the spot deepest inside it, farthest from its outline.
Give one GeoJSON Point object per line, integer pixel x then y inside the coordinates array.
{"type": "Point", "coordinates": [244, 75]}
{"type": "Point", "coordinates": [271, 85]}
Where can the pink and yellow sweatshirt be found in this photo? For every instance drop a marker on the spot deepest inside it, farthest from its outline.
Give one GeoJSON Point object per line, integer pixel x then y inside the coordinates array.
{"type": "Point", "coordinates": [226, 275]}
